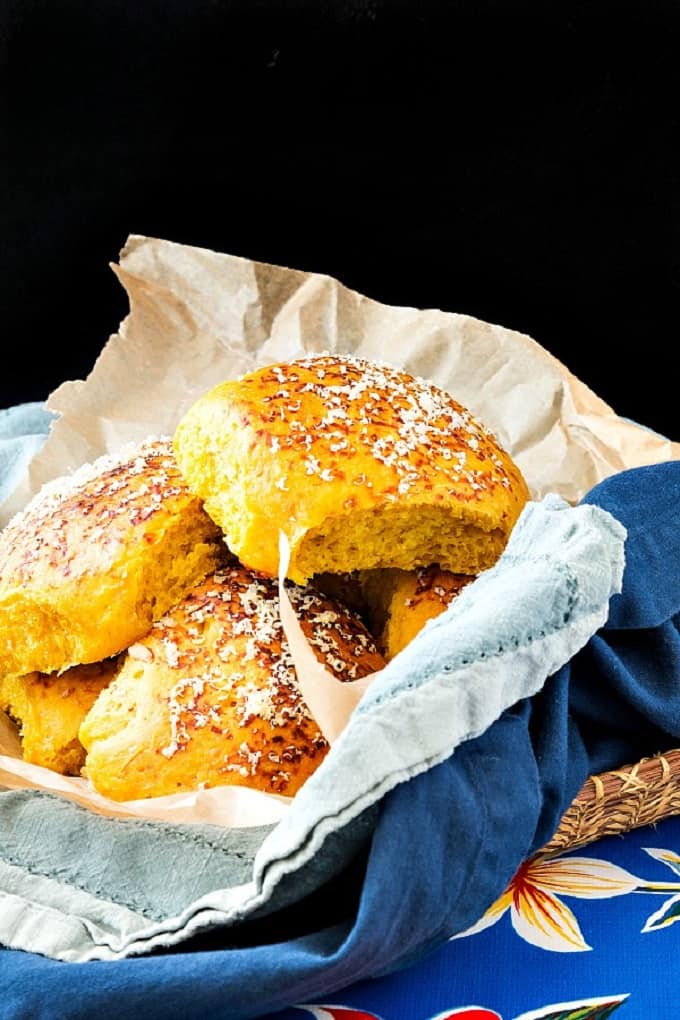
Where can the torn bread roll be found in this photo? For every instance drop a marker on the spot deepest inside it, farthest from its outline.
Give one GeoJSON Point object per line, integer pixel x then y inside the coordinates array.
{"type": "Point", "coordinates": [49, 708]}
{"type": "Point", "coordinates": [210, 697]}
{"type": "Point", "coordinates": [97, 556]}
{"type": "Point", "coordinates": [361, 465]}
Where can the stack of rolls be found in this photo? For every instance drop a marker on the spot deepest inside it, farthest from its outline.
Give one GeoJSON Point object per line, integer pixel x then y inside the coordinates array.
{"type": "Point", "coordinates": [161, 565]}
{"type": "Point", "coordinates": [85, 569]}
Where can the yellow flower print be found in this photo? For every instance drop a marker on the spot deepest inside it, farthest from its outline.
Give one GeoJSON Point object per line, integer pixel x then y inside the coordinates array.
{"type": "Point", "coordinates": [533, 899]}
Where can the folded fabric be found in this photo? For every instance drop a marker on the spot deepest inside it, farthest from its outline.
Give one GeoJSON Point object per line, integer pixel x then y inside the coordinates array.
{"type": "Point", "coordinates": [457, 764]}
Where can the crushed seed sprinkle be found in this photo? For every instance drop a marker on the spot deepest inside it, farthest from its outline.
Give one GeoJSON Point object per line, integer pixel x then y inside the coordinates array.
{"type": "Point", "coordinates": [217, 684]}
{"type": "Point", "coordinates": [431, 580]}
{"type": "Point", "coordinates": [402, 421]}
{"type": "Point", "coordinates": [131, 486]}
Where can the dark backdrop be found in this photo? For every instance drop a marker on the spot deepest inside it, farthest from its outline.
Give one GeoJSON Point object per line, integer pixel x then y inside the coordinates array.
{"type": "Point", "coordinates": [515, 161]}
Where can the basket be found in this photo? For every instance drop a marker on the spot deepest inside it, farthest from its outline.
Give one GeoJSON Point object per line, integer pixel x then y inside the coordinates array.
{"type": "Point", "coordinates": [612, 803]}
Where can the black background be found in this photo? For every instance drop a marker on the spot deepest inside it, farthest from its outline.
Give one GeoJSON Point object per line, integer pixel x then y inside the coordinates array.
{"type": "Point", "coordinates": [513, 161]}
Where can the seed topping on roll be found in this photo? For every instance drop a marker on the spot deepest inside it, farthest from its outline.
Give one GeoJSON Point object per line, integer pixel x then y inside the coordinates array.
{"type": "Point", "coordinates": [101, 492]}
{"type": "Point", "coordinates": [363, 406]}
{"type": "Point", "coordinates": [211, 695]}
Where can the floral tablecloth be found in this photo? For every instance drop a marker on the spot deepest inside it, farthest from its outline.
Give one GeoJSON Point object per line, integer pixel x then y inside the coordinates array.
{"type": "Point", "coordinates": [587, 935]}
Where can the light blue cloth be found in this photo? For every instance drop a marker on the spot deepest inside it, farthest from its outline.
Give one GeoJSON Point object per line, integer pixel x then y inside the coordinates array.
{"type": "Point", "coordinates": [78, 887]}
{"type": "Point", "coordinates": [23, 430]}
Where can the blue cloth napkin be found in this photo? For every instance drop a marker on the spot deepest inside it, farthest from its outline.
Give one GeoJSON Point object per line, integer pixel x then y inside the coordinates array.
{"type": "Point", "coordinates": [457, 765]}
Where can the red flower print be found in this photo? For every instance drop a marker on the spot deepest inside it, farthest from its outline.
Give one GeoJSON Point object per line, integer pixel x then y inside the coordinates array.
{"type": "Point", "coordinates": [468, 1013]}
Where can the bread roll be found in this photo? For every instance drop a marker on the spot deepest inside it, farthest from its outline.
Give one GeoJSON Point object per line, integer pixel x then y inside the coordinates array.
{"type": "Point", "coordinates": [360, 464]}
{"type": "Point", "coordinates": [210, 696]}
{"type": "Point", "coordinates": [49, 710]}
{"type": "Point", "coordinates": [96, 557]}
{"type": "Point", "coordinates": [400, 602]}
{"type": "Point", "coordinates": [345, 588]}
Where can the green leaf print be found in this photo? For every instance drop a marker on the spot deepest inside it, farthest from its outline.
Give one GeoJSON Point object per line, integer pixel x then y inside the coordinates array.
{"type": "Point", "coordinates": [585, 1009]}
{"type": "Point", "coordinates": [668, 913]}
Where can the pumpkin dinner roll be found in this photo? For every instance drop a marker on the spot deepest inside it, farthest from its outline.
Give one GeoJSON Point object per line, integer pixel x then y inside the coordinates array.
{"type": "Point", "coordinates": [361, 465]}
{"type": "Point", "coordinates": [49, 708]}
{"type": "Point", "coordinates": [97, 556]}
{"type": "Point", "coordinates": [210, 697]}
{"type": "Point", "coordinates": [400, 602]}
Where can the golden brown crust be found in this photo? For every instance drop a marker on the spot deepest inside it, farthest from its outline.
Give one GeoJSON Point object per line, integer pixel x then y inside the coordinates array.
{"type": "Point", "coordinates": [331, 449]}
{"type": "Point", "coordinates": [96, 557]}
{"type": "Point", "coordinates": [210, 696]}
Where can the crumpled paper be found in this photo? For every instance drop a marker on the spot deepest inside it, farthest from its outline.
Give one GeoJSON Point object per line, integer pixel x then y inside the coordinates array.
{"type": "Point", "coordinates": [198, 317]}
